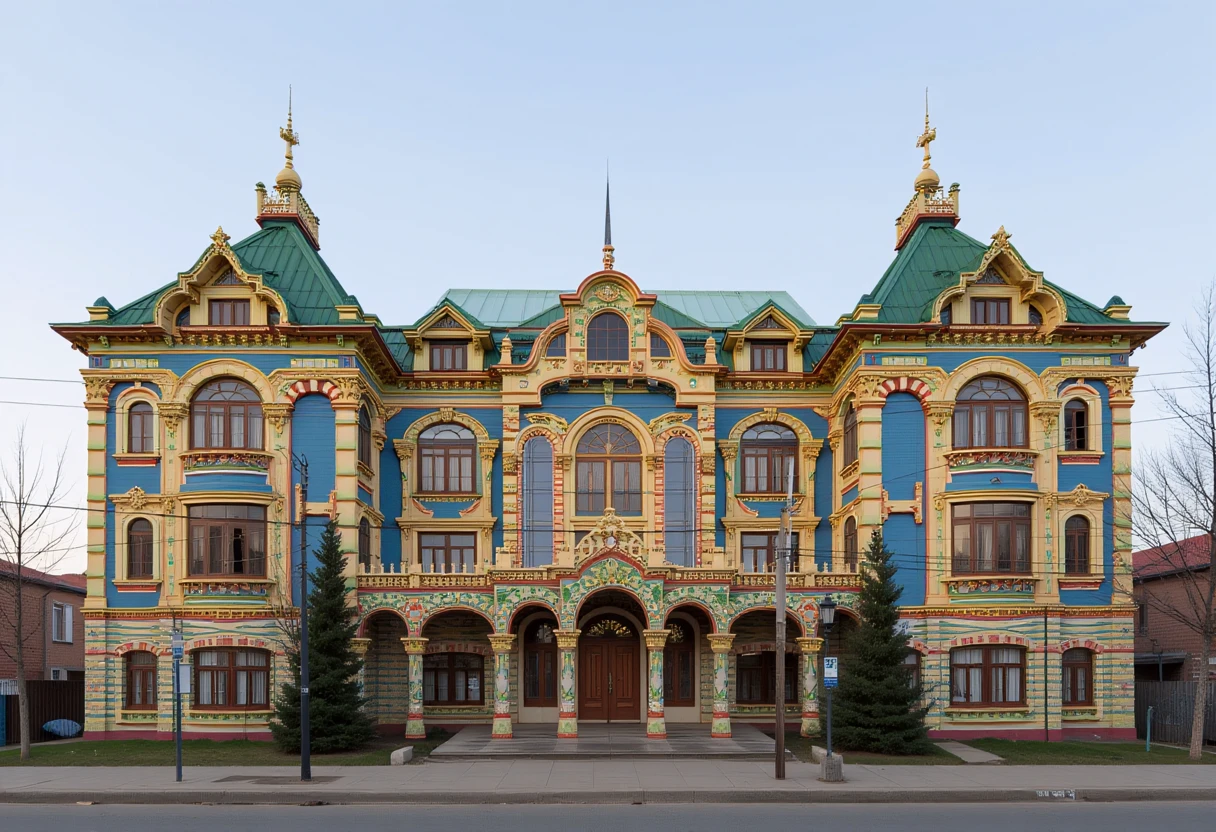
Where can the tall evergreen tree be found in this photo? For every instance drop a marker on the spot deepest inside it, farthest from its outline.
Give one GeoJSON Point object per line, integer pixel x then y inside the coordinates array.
{"type": "Point", "coordinates": [337, 719]}
{"type": "Point", "coordinates": [877, 706]}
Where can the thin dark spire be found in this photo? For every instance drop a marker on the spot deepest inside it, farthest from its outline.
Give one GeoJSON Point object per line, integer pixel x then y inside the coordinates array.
{"type": "Point", "coordinates": [607, 211]}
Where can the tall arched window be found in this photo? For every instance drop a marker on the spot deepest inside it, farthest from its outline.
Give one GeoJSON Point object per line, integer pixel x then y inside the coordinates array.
{"type": "Point", "coordinates": [139, 549]}
{"type": "Point", "coordinates": [1076, 545]}
{"type": "Point", "coordinates": [766, 451]}
{"type": "Point", "coordinates": [850, 436]}
{"type": "Point", "coordinates": [445, 459]}
{"type": "Point", "coordinates": [540, 664]}
{"type": "Point", "coordinates": [608, 338]}
{"type": "Point", "coordinates": [990, 413]}
{"type": "Point", "coordinates": [538, 502]}
{"type": "Point", "coordinates": [850, 544]}
{"type": "Point", "coordinates": [141, 680]}
{"type": "Point", "coordinates": [1078, 676]}
{"type": "Point", "coordinates": [679, 666]}
{"type": "Point", "coordinates": [680, 502]}
{"type": "Point", "coordinates": [226, 413]}
{"type": "Point", "coordinates": [609, 471]}
{"type": "Point", "coordinates": [365, 544]}
{"type": "Point", "coordinates": [140, 438]}
{"type": "Point", "coordinates": [1076, 429]}
{"type": "Point", "coordinates": [365, 437]}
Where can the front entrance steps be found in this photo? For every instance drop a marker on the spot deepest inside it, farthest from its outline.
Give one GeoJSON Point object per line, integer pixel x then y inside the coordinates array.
{"type": "Point", "coordinates": [621, 741]}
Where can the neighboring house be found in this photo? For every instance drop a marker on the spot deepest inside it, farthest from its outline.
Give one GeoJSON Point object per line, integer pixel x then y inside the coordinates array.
{"type": "Point", "coordinates": [1167, 649]}
{"type": "Point", "coordinates": [54, 647]}
{"type": "Point", "coordinates": [563, 505]}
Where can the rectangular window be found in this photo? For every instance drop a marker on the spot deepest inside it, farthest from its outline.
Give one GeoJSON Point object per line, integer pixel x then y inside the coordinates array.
{"type": "Point", "coordinates": [1077, 677]}
{"type": "Point", "coordinates": [232, 679]}
{"type": "Point", "coordinates": [987, 676]}
{"type": "Point", "coordinates": [61, 622]}
{"type": "Point", "coordinates": [446, 469]}
{"type": "Point", "coordinates": [765, 467]}
{"type": "Point", "coordinates": [141, 681]}
{"type": "Point", "coordinates": [992, 311]}
{"type": "Point", "coordinates": [452, 679]}
{"type": "Point", "coordinates": [1142, 616]}
{"type": "Point", "coordinates": [591, 495]}
{"type": "Point", "coordinates": [756, 678]}
{"type": "Point", "coordinates": [768, 356]}
{"type": "Point", "coordinates": [228, 313]}
{"type": "Point", "coordinates": [991, 537]}
{"type": "Point", "coordinates": [449, 355]}
{"type": "Point", "coordinates": [448, 552]}
{"type": "Point", "coordinates": [759, 549]}
{"type": "Point", "coordinates": [227, 540]}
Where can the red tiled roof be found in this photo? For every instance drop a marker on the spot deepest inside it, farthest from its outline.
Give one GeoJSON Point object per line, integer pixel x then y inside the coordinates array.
{"type": "Point", "coordinates": [1191, 553]}
{"type": "Point", "coordinates": [72, 583]}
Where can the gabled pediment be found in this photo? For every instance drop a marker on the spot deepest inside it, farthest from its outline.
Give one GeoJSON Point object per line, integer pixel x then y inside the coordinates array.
{"type": "Point", "coordinates": [1001, 265]}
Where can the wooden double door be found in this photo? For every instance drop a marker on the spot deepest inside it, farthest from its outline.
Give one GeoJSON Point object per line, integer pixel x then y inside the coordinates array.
{"type": "Point", "coordinates": [609, 672]}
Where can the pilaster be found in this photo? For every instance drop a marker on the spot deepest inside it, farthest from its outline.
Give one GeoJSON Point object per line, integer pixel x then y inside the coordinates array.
{"type": "Point", "coordinates": [567, 717]}
{"type": "Point", "coordinates": [720, 644]}
{"type": "Point", "coordinates": [810, 648]}
{"type": "Point", "coordinates": [502, 643]}
{"type": "Point", "coordinates": [415, 728]}
{"type": "Point", "coordinates": [656, 726]}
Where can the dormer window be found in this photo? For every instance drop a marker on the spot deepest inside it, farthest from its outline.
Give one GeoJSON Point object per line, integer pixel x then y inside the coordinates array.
{"type": "Point", "coordinates": [228, 312]}
{"type": "Point", "coordinates": [658, 347]}
{"type": "Point", "coordinates": [557, 346]}
{"type": "Point", "coordinates": [449, 355]}
{"type": "Point", "coordinates": [272, 315]}
{"type": "Point", "coordinates": [768, 356]}
{"type": "Point", "coordinates": [1036, 317]}
{"type": "Point", "coordinates": [990, 311]}
{"type": "Point", "coordinates": [947, 315]}
{"type": "Point", "coordinates": [183, 317]}
{"type": "Point", "coordinates": [608, 338]}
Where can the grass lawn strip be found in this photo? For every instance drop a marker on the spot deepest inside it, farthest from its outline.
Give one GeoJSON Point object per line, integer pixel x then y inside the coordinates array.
{"type": "Point", "coordinates": [210, 753]}
{"type": "Point", "coordinates": [800, 746]}
{"type": "Point", "coordinates": [1075, 753]}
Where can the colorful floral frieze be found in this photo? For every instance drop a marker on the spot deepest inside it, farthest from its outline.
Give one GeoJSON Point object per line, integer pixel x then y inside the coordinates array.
{"type": "Point", "coordinates": [510, 599]}
{"type": "Point", "coordinates": [194, 461]}
{"type": "Point", "coordinates": [713, 599]}
{"type": "Point", "coordinates": [994, 586]}
{"type": "Point", "coordinates": [607, 573]}
{"type": "Point", "coordinates": [963, 460]}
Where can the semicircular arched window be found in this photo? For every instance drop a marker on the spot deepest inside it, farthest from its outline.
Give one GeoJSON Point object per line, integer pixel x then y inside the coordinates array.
{"type": "Point", "coordinates": [766, 451]}
{"type": "Point", "coordinates": [226, 413]}
{"type": "Point", "coordinates": [609, 471]}
{"type": "Point", "coordinates": [608, 338]}
{"type": "Point", "coordinates": [445, 459]}
{"type": "Point", "coordinates": [990, 412]}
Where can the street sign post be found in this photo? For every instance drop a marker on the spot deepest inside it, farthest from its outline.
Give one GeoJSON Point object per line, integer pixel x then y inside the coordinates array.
{"type": "Point", "coordinates": [831, 671]}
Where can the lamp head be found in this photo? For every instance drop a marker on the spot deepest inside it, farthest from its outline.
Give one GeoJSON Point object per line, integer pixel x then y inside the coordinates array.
{"type": "Point", "coordinates": [827, 614]}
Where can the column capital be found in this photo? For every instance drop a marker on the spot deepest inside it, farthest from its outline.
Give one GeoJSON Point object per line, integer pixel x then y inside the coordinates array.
{"type": "Point", "coordinates": [360, 645]}
{"type": "Point", "coordinates": [567, 639]}
{"type": "Point", "coordinates": [655, 639]}
{"type": "Point", "coordinates": [810, 646]}
{"type": "Point", "coordinates": [277, 413]}
{"type": "Point", "coordinates": [721, 642]}
{"type": "Point", "coordinates": [502, 642]}
{"type": "Point", "coordinates": [414, 645]}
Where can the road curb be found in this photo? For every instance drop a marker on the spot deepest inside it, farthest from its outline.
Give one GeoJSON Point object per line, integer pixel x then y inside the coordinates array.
{"type": "Point", "coordinates": [297, 796]}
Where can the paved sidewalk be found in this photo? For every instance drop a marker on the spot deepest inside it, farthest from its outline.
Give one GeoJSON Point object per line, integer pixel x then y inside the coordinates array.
{"type": "Point", "coordinates": [617, 781]}
{"type": "Point", "coordinates": [969, 755]}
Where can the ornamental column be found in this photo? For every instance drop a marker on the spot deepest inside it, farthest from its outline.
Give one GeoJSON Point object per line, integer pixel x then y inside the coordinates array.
{"type": "Point", "coordinates": [656, 726]}
{"type": "Point", "coordinates": [502, 644]}
{"type": "Point", "coordinates": [720, 644]}
{"type": "Point", "coordinates": [810, 648]}
{"type": "Point", "coordinates": [415, 729]}
{"type": "Point", "coordinates": [567, 712]}
{"type": "Point", "coordinates": [360, 646]}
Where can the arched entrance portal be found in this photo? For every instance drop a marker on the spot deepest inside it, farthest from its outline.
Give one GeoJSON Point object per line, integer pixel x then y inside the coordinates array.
{"type": "Point", "coordinates": [611, 658]}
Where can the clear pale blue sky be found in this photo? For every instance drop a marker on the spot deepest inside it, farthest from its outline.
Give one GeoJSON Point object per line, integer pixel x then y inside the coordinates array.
{"type": "Point", "coordinates": [759, 144]}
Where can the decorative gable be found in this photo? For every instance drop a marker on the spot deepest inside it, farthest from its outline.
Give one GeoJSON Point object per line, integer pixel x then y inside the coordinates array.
{"type": "Point", "coordinates": [1002, 267]}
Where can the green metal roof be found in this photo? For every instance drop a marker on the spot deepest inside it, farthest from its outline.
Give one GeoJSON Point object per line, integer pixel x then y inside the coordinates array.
{"type": "Point", "coordinates": [724, 310]}
{"type": "Point", "coordinates": [498, 308]}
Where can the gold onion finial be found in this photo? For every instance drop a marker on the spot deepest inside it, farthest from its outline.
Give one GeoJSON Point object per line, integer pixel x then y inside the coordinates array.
{"type": "Point", "coordinates": [288, 179]}
{"type": "Point", "coordinates": [927, 179]}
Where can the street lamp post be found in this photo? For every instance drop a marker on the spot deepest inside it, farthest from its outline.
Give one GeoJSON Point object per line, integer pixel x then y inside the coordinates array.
{"type": "Point", "coordinates": [831, 770]}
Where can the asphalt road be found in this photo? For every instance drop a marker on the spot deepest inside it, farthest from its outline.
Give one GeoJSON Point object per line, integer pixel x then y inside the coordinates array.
{"type": "Point", "coordinates": [990, 817]}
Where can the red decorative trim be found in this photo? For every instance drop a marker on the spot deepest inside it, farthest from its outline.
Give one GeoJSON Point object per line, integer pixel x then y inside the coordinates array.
{"type": "Point", "coordinates": [142, 462]}
{"type": "Point", "coordinates": [303, 388]}
{"type": "Point", "coordinates": [906, 385]}
{"type": "Point", "coordinates": [1080, 460]}
{"type": "Point", "coordinates": [725, 736]}
{"type": "Point", "coordinates": [153, 586]}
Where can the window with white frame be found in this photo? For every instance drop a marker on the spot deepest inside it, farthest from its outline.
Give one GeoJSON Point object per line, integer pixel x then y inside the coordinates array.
{"type": "Point", "coordinates": [61, 622]}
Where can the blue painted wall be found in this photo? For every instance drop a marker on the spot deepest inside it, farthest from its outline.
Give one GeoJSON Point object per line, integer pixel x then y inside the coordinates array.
{"type": "Point", "coordinates": [119, 480]}
{"type": "Point", "coordinates": [823, 506]}
{"type": "Point", "coordinates": [312, 436]}
{"type": "Point", "coordinates": [906, 539]}
{"type": "Point", "coordinates": [903, 465]}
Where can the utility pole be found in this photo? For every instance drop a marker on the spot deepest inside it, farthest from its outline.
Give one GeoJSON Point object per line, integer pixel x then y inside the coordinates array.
{"type": "Point", "coordinates": [784, 544]}
{"type": "Point", "coordinates": [300, 463]}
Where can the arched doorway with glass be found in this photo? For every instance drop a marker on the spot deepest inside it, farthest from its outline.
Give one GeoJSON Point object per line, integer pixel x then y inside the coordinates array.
{"type": "Point", "coordinates": [611, 659]}
{"type": "Point", "coordinates": [539, 684]}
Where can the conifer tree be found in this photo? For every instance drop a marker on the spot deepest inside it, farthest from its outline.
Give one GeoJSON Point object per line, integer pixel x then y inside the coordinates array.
{"type": "Point", "coordinates": [337, 719]}
{"type": "Point", "coordinates": [877, 707]}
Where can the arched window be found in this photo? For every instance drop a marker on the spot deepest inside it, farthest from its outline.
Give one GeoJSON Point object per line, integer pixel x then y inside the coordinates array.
{"type": "Point", "coordinates": [1076, 545]}
{"type": "Point", "coordinates": [766, 450]}
{"type": "Point", "coordinates": [226, 413]}
{"type": "Point", "coordinates": [1078, 676]}
{"type": "Point", "coordinates": [1076, 431]}
{"type": "Point", "coordinates": [557, 346]}
{"type": "Point", "coordinates": [140, 436]}
{"type": "Point", "coordinates": [538, 502]}
{"type": "Point", "coordinates": [680, 502]}
{"type": "Point", "coordinates": [850, 436]}
{"type": "Point", "coordinates": [365, 437]}
{"type": "Point", "coordinates": [365, 544]}
{"type": "Point", "coordinates": [540, 664]}
{"type": "Point", "coordinates": [272, 315]}
{"type": "Point", "coordinates": [679, 666]}
{"type": "Point", "coordinates": [183, 317]}
{"type": "Point", "coordinates": [659, 348]}
{"type": "Point", "coordinates": [850, 544]}
{"type": "Point", "coordinates": [608, 338]}
{"type": "Point", "coordinates": [1035, 316]}
{"type": "Point", "coordinates": [445, 459]}
{"type": "Point", "coordinates": [609, 471]}
{"type": "Point", "coordinates": [231, 679]}
{"type": "Point", "coordinates": [452, 679]}
{"type": "Point", "coordinates": [141, 680]}
{"type": "Point", "coordinates": [990, 413]}
{"type": "Point", "coordinates": [139, 549]}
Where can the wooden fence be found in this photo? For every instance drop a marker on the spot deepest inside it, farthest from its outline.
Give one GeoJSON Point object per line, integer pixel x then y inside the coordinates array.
{"type": "Point", "coordinates": [1173, 704]}
{"type": "Point", "coordinates": [48, 700]}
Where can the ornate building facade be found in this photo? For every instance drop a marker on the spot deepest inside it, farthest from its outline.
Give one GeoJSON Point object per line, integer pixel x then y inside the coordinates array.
{"type": "Point", "coordinates": [562, 507]}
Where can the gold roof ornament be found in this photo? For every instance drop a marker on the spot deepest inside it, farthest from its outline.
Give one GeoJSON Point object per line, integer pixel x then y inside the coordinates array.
{"type": "Point", "coordinates": [609, 258]}
{"type": "Point", "coordinates": [930, 201]}
{"type": "Point", "coordinates": [927, 179]}
{"type": "Point", "coordinates": [288, 179]}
